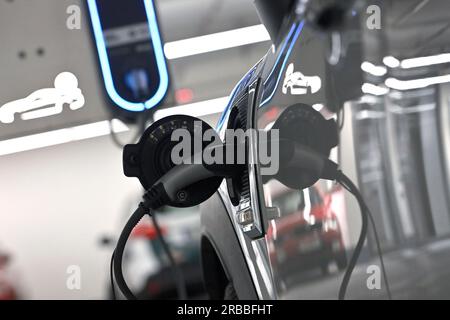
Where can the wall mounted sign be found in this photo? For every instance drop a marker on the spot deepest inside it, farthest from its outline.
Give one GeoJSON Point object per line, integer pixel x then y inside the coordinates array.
{"type": "Point", "coordinates": [131, 54]}
{"type": "Point", "coordinates": [45, 102]}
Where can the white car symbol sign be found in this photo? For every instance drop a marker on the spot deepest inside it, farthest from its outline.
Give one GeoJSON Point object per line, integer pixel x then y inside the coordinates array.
{"type": "Point", "coordinates": [296, 83]}
{"type": "Point", "coordinates": [45, 102]}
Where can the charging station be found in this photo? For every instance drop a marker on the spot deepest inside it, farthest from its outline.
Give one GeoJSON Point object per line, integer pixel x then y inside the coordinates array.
{"type": "Point", "coordinates": [131, 55]}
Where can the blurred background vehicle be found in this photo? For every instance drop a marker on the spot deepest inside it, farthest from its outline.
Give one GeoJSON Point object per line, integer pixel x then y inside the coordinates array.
{"type": "Point", "coordinates": [307, 235]}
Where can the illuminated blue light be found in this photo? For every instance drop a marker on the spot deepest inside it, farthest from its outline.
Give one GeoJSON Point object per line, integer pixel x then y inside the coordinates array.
{"type": "Point", "coordinates": [232, 96]}
{"type": "Point", "coordinates": [105, 65]}
{"type": "Point", "coordinates": [281, 52]}
{"type": "Point", "coordinates": [291, 46]}
{"type": "Point", "coordinates": [233, 93]}
{"type": "Point", "coordinates": [228, 106]}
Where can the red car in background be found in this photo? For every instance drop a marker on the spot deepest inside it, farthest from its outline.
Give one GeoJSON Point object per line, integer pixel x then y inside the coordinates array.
{"type": "Point", "coordinates": [7, 291]}
{"type": "Point", "coordinates": [307, 234]}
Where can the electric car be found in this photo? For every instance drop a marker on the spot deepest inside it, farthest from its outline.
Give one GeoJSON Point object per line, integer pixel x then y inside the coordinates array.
{"type": "Point", "coordinates": [364, 54]}
{"type": "Point", "coordinates": [253, 236]}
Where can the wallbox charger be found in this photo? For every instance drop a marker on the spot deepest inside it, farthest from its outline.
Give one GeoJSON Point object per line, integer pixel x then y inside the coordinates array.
{"type": "Point", "coordinates": [131, 55]}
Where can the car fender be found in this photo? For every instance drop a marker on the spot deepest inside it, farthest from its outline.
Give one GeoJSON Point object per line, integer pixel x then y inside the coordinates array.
{"type": "Point", "coordinates": [222, 258]}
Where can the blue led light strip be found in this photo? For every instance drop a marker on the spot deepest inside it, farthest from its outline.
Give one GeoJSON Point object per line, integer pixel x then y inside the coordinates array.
{"type": "Point", "coordinates": [288, 53]}
{"type": "Point", "coordinates": [288, 37]}
{"type": "Point", "coordinates": [105, 65]}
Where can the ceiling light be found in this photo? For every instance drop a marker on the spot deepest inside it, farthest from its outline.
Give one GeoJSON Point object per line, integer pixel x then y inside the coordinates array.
{"type": "Point", "coordinates": [196, 109]}
{"type": "Point", "coordinates": [391, 62]}
{"type": "Point", "coordinates": [375, 90]}
{"type": "Point", "coordinates": [416, 83]}
{"type": "Point", "coordinates": [55, 137]}
{"type": "Point", "coordinates": [216, 41]}
{"type": "Point", "coordinates": [374, 70]}
{"type": "Point", "coordinates": [425, 61]}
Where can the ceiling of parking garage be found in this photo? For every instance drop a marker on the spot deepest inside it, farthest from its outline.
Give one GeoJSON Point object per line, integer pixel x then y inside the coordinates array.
{"type": "Point", "coordinates": [411, 28]}
{"type": "Point", "coordinates": [425, 23]}
{"type": "Point", "coordinates": [28, 27]}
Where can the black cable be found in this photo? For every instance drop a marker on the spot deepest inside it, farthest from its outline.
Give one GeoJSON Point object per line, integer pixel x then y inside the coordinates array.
{"type": "Point", "coordinates": [117, 256]}
{"type": "Point", "coordinates": [140, 130]}
{"type": "Point", "coordinates": [366, 215]}
{"type": "Point", "coordinates": [178, 274]}
{"type": "Point", "coordinates": [111, 275]}
{"type": "Point", "coordinates": [378, 244]}
{"type": "Point", "coordinates": [380, 254]}
{"type": "Point", "coordinates": [341, 178]}
{"type": "Point", "coordinates": [120, 248]}
{"type": "Point", "coordinates": [377, 241]}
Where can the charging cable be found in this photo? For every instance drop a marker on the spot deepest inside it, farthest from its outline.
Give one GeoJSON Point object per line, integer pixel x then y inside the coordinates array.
{"type": "Point", "coordinates": [365, 216]}
{"type": "Point", "coordinates": [178, 274]}
{"type": "Point", "coordinates": [304, 168]}
{"type": "Point", "coordinates": [153, 198]}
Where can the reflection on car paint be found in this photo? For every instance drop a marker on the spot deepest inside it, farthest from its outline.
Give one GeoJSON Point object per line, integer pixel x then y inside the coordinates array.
{"type": "Point", "coordinates": [271, 85]}
{"type": "Point", "coordinates": [283, 48]}
{"type": "Point", "coordinates": [296, 83]}
{"type": "Point", "coordinates": [306, 236]}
